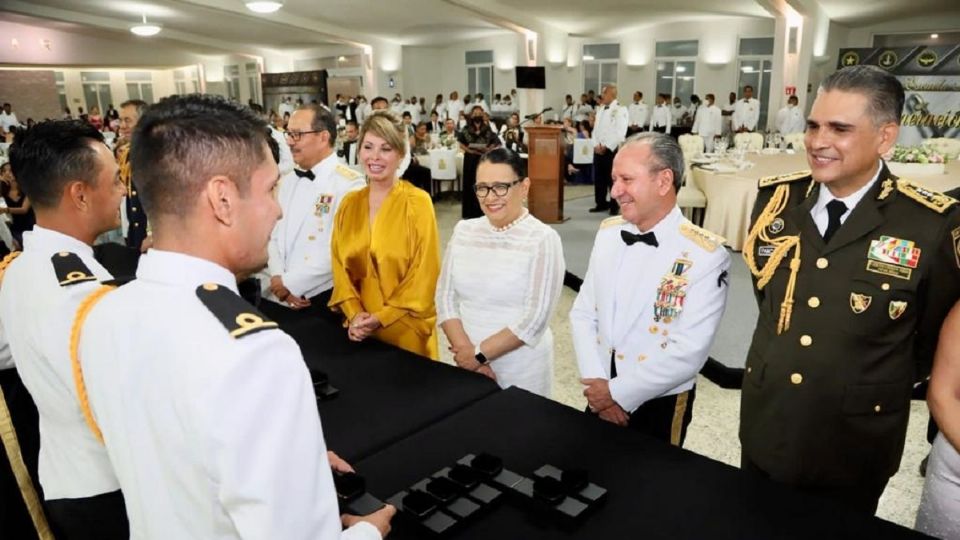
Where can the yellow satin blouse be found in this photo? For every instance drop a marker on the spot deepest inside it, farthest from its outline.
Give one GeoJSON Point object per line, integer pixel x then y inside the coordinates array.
{"type": "Point", "coordinates": [389, 269]}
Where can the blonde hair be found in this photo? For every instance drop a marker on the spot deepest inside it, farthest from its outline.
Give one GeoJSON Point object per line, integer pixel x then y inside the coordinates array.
{"type": "Point", "coordinates": [387, 126]}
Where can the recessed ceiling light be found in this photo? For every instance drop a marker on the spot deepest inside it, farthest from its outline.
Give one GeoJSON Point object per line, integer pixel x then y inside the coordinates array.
{"type": "Point", "coordinates": [934, 36]}
{"type": "Point", "coordinates": [146, 29]}
{"type": "Point", "coordinates": [264, 6]}
{"type": "Point", "coordinates": [588, 57]}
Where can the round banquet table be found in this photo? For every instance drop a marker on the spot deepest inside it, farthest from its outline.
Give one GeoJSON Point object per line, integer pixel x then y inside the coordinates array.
{"type": "Point", "coordinates": [731, 195]}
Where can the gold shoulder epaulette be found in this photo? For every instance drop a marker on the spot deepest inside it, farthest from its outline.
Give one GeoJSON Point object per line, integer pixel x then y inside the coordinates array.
{"type": "Point", "coordinates": [702, 237]}
{"type": "Point", "coordinates": [934, 200]}
{"type": "Point", "coordinates": [234, 313]}
{"type": "Point", "coordinates": [782, 178]}
{"type": "Point", "coordinates": [611, 221]}
{"type": "Point", "coordinates": [347, 172]}
{"type": "Point", "coordinates": [70, 269]}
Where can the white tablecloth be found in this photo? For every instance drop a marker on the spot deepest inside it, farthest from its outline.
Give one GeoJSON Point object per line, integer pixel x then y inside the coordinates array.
{"type": "Point", "coordinates": [731, 195]}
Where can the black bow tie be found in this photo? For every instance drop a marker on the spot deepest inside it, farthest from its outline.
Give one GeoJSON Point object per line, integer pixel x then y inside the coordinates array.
{"type": "Point", "coordinates": [647, 238]}
{"type": "Point", "coordinates": [304, 174]}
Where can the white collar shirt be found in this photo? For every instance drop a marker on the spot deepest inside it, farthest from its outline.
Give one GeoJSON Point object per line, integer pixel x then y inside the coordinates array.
{"type": "Point", "coordinates": [638, 114]}
{"type": "Point", "coordinates": [819, 210]}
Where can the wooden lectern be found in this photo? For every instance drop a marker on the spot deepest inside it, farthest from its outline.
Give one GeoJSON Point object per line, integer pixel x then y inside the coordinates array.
{"type": "Point", "coordinates": [545, 167]}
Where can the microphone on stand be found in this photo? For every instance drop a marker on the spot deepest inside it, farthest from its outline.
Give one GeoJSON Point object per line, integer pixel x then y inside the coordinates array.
{"type": "Point", "coordinates": [534, 115]}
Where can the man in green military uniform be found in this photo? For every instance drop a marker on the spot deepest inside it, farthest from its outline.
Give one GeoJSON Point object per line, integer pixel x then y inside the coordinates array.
{"type": "Point", "coordinates": [854, 272]}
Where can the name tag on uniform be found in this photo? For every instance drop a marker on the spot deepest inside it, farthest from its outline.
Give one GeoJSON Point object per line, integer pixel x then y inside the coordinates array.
{"type": "Point", "coordinates": [765, 251]}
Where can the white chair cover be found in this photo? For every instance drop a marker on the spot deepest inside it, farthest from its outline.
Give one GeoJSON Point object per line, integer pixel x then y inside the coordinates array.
{"type": "Point", "coordinates": [691, 145]}
{"type": "Point", "coordinates": [443, 164]}
{"type": "Point", "coordinates": [583, 151]}
{"type": "Point", "coordinates": [753, 141]}
{"type": "Point", "coordinates": [796, 141]}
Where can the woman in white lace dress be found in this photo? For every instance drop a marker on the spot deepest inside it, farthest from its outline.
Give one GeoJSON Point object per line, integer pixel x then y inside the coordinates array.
{"type": "Point", "coordinates": [939, 513]}
{"type": "Point", "coordinates": [500, 282]}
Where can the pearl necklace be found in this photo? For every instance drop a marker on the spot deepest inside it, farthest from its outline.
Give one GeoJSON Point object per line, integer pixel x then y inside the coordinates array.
{"type": "Point", "coordinates": [513, 223]}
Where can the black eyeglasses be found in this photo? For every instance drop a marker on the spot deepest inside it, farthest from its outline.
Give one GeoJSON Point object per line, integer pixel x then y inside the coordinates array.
{"type": "Point", "coordinates": [295, 135]}
{"type": "Point", "coordinates": [499, 189]}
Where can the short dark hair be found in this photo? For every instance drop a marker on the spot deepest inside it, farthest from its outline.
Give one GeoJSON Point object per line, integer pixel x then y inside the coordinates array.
{"type": "Point", "coordinates": [140, 104]}
{"type": "Point", "coordinates": [274, 146]}
{"type": "Point", "coordinates": [406, 114]}
{"type": "Point", "coordinates": [883, 91]}
{"type": "Point", "coordinates": [505, 156]}
{"type": "Point", "coordinates": [182, 141]}
{"type": "Point", "coordinates": [51, 154]}
{"type": "Point", "coordinates": [322, 121]}
{"type": "Point", "coordinates": [353, 123]}
{"type": "Point", "coordinates": [378, 99]}
{"type": "Point", "coordinates": [747, 86]}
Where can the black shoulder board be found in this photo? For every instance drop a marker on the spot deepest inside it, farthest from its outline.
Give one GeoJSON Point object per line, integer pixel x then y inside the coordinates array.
{"type": "Point", "coordinates": [70, 269]}
{"type": "Point", "coordinates": [236, 315]}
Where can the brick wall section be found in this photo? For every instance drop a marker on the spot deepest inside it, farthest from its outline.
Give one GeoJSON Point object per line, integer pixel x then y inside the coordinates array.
{"type": "Point", "coordinates": [33, 94]}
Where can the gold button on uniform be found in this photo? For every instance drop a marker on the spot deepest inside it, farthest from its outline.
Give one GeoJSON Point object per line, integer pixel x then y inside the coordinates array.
{"type": "Point", "coordinates": [134, 209]}
{"type": "Point", "coordinates": [813, 302]}
{"type": "Point", "coordinates": [749, 370]}
{"type": "Point", "coordinates": [796, 378]}
{"type": "Point", "coordinates": [822, 263]}
{"type": "Point", "coordinates": [876, 408]}
{"type": "Point", "coordinates": [885, 286]}
{"type": "Point", "coordinates": [806, 341]}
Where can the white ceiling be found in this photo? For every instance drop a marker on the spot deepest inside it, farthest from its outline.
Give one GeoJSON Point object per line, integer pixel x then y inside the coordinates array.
{"type": "Point", "coordinates": [204, 26]}
{"type": "Point", "coordinates": [862, 12]}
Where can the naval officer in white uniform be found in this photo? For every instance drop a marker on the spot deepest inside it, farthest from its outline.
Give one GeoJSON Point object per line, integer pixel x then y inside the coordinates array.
{"type": "Point", "coordinates": [206, 408]}
{"type": "Point", "coordinates": [652, 298]}
{"type": "Point", "coordinates": [300, 275]}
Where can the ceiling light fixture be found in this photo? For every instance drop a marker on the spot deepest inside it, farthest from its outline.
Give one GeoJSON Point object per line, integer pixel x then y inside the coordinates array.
{"type": "Point", "coordinates": [146, 29]}
{"type": "Point", "coordinates": [934, 36]}
{"type": "Point", "coordinates": [588, 57]}
{"type": "Point", "coordinates": [264, 6]}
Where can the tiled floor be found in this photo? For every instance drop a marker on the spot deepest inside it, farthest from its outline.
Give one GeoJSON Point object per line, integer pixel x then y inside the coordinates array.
{"type": "Point", "coordinates": [713, 432]}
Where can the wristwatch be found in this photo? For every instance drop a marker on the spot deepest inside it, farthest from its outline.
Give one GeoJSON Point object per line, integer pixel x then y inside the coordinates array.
{"type": "Point", "coordinates": [482, 358]}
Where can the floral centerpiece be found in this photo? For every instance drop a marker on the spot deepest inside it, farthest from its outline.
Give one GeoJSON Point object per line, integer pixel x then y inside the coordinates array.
{"type": "Point", "coordinates": [920, 160]}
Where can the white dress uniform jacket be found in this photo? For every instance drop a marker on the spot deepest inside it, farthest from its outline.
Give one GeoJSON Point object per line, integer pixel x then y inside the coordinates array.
{"type": "Point", "coordinates": [791, 120]}
{"type": "Point", "coordinates": [212, 423]}
{"type": "Point", "coordinates": [610, 128]}
{"type": "Point", "coordinates": [661, 117]}
{"type": "Point", "coordinates": [746, 113]}
{"type": "Point", "coordinates": [299, 249]}
{"type": "Point", "coordinates": [639, 114]}
{"type": "Point", "coordinates": [453, 109]}
{"type": "Point", "coordinates": [708, 124]}
{"type": "Point", "coordinates": [655, 310]}
{"type": "Point", "coordinates": [38, 299]}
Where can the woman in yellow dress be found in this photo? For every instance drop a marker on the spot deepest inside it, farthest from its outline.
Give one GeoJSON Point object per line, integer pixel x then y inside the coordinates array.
{"type": "Point", "coordinates": [385, 248]}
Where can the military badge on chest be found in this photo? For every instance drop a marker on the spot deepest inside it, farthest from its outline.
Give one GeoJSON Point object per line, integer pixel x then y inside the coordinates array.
{"type": "Point", "coordinates": [672, 292]}
{"type": "Point", "coordinates": [893, 257]}
{"type": "Point", "coordinates": [323, 207]}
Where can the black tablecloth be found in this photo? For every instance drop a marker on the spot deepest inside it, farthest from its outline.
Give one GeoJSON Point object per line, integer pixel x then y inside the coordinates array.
{"type": "Point", "coordinates": [655, 491]}
{"type": "Point", "coordinates": [386, 394]}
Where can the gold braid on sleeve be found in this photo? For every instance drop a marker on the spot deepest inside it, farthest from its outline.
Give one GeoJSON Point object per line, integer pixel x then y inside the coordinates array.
{"type": "Point", "coordinates": [781, 246]}
{"type": "Point", "coordinates": [85, 306]}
